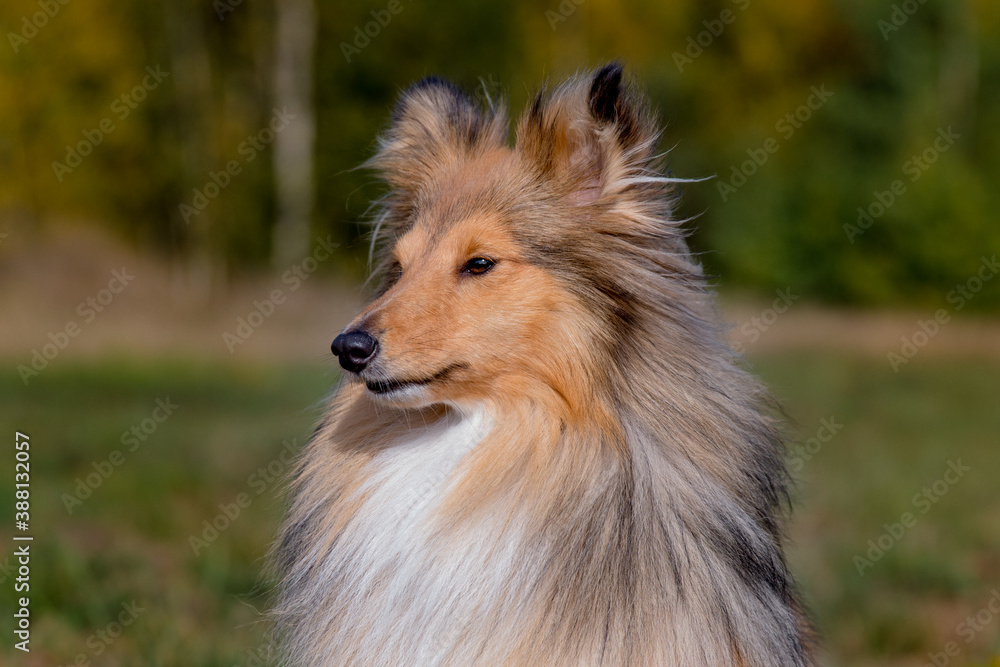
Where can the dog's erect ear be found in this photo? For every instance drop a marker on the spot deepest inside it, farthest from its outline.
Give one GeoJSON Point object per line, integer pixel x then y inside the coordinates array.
{"type": "Point", "coordinates": [589, 134]}
{"type": "Point", "coordinates": [434, 125]}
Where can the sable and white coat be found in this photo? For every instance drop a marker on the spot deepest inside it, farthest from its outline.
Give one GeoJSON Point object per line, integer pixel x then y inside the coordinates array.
{"type": "Point", "coordinates": [557, 461]}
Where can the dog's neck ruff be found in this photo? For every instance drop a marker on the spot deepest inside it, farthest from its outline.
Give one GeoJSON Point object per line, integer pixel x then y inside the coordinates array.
{"type": "Point", "coordinates": [588, 554]}
{"type": "Point", "coordinates": [398, 578]}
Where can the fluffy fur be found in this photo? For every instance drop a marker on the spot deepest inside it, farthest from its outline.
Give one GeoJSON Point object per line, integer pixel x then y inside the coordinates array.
{"type": "Point", "coordinates": [559, 461]}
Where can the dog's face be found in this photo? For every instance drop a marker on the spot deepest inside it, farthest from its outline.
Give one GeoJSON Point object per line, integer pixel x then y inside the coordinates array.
{"type": "Point", "coordinates": [463, 308]}
{"type": "Point", "coordinates": [497, 282]}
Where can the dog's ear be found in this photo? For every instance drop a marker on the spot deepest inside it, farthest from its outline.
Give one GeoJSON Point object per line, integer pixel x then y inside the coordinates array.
{"type": "Point", "coordinates": [589, 134]}
{"type": "Point", "coordinates": [434, 125]}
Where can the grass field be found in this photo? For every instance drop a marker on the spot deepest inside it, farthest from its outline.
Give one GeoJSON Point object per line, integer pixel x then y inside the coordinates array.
{"type": "Point", "coordinates": [125, 551]}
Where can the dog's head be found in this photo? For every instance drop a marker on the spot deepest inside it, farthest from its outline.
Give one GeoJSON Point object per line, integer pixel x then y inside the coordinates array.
{"type": "Point", "coordinates": [509, 271]}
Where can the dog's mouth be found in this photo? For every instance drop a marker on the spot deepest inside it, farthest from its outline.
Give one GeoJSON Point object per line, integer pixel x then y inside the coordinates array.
{"type": "Point", "coordinates": [390, 386]}
{"type": "Point", "coordinates": [393, 385]}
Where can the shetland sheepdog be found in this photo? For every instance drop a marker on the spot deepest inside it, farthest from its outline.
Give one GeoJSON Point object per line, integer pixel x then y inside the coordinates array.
{"type": "Point", "coordinates": [544, 451]}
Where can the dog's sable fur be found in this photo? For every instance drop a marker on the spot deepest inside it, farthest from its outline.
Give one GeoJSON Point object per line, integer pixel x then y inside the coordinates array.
{"type": "Point", "coordinates": [563, 464]}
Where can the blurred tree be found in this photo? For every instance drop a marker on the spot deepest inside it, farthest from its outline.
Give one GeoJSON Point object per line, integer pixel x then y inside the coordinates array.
{"type": "Point", "coordinates": [186, 171]}
{"type": "Point", "coordinates": [293, 159]}
{"type": "Point", "coordinates": [191, 69]}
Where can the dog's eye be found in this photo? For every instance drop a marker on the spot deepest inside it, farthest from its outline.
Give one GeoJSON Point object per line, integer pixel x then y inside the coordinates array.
{"type": "Point", "coordinates": [478, 266]}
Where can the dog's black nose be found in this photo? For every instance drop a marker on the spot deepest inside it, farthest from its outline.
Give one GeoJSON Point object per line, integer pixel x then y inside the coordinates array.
{"type": "Point", "coordinates": [354, 349]}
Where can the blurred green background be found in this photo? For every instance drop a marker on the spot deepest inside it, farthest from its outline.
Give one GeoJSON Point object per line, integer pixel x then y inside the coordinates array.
{"type": "Point", "coordinates": [210, 148]}
{"type": "Point", "coordinates": [724, 75]}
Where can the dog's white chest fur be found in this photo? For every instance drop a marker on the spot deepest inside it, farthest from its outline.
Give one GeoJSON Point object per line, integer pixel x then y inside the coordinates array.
{"type": "Point", "coordinates": [398, 578]}
{"type": "Point", "coordinates": [409, 479]}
